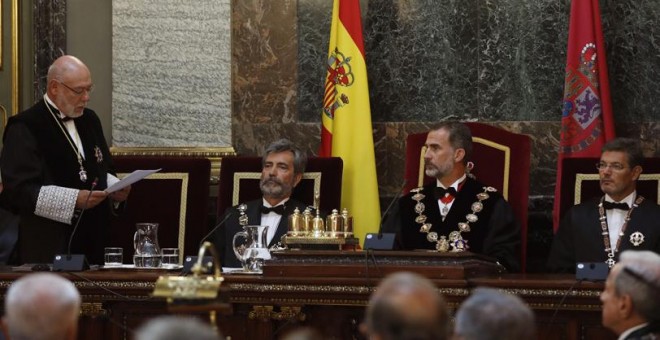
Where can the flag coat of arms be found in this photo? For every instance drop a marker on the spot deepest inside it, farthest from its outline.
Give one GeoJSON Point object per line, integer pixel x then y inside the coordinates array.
{"type": "Point", "coordinates": [346, 129]}
{"type": "Point", "coordinates": [586, 122]}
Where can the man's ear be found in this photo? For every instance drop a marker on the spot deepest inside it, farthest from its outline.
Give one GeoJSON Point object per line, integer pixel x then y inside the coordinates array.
{"type": "Point", "coordinates": [625, 306]}
{"type": "Point", "coordinates": [459, 154]}
{"type": "Point", "coordinates": [637, 170]}
{"type": "Point", "coordinates": [296, 179]}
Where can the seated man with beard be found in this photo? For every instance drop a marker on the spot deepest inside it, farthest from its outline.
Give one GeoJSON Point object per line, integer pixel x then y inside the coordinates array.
{"type": "Point", "coordinates": [456, 213]}
{"type": "Point", "coordinates": [282, 169]}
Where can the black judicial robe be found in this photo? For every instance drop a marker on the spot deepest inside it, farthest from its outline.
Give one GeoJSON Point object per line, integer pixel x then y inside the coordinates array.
{"type": "Point", "coordinates": [496, 233]}
{"type": "Point", "coordinates": [36, 153]}
{"type": "Point", "coordinates": [223, 237]}
{"type": "Point", "coordinates": [579, 237]}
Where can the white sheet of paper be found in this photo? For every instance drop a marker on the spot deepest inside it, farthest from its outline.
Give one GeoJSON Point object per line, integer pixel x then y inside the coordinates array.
{"type": "Point", "coordinates": [130, 179]}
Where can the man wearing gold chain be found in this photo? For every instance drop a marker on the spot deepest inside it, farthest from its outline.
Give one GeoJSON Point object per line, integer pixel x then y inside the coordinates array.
{"type": "Point", "coordinates": [456, 213]}
{"type": "Point", "coordinates": [599, 229]}
{"type": "Point", "coordinates": [55, 162]}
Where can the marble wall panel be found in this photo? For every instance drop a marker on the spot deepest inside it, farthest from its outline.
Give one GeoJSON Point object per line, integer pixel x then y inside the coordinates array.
{"type": "Point", "coordinates": [264, 68]}
{"type": "Point", "coordinates": [49, 36]}
{"type": "Point", "coordinates": [171, 73]}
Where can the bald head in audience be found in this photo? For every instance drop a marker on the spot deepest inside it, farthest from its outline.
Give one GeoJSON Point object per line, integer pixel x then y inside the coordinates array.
{"type": "Point", "coordinates": [406, 306]}
{"type": "Point", "coordinates": [42, 306]}
{"type": "Point", "coordinates": [171, 327]}
{"type": "Point", "coordinates": [631, 298]}
{"type": "Point", "coordinates": [489, 314]}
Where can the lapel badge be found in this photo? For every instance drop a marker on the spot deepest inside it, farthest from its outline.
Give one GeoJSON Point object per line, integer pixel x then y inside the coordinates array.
{"type": "Point", "coordinates": [636, 238]}
{"type": "Point", "coordinates": [98, 154]}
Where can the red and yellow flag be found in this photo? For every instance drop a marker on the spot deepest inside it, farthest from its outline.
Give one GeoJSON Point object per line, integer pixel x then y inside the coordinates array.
{"type": "Point", "coordinates": [586, 122]}
{"type": "Point", "coordinates": [346, 130]}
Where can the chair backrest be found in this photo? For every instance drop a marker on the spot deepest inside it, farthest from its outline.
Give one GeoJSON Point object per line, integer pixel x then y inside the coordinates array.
{"type": "Point", "coordinates": [176, 197]}
{"type": "Point", "coordinates": [239, 182]}
{"type": "Point", "coordinates": [501, 159]}
{"type": "Point", "coordinates": [580, 181]}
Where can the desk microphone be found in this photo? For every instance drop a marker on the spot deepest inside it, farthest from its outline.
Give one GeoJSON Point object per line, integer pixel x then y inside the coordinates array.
{"type": "Point", "coordinates": [216, 227]}
{"type": "Point", "coordinates": [384, 241]}
{"type": "Point", "coordinates": [207, 261]}
{"type": "Point", "coordinates": [77, 262]}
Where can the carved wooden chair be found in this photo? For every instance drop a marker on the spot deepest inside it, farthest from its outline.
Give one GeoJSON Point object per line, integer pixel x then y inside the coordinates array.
{"type": "Point", "coordinates": [501, 159]}
{"type": "Point", "coordinates": [177, 198]}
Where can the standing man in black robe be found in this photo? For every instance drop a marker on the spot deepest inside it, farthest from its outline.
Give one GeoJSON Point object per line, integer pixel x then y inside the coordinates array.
{"type": "Point", "coordinates": [456, 213]}
{"type": "Point", "coordinates": [599, 229]}
{"type": "Point", "coordinates": [283, 165]}
{"type": "Point", "coordinates": [55, 162]}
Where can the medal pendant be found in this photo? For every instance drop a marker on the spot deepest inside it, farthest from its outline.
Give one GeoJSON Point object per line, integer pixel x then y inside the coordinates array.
{"type": "Point", "coordinates": [636, 238]}
{"type": "Point", "coordinates": [610, 262]}
{"type": "Point", "coordinates": [83, 175]}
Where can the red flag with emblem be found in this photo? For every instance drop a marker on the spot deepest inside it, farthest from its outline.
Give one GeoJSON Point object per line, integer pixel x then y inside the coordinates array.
{"type": "Point", "coordinates": [587, 122]}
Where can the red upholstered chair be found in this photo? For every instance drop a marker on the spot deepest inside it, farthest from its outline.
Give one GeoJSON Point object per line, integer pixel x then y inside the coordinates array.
{"type": "Point", "coordinates": [580, 181]}
{"type": "Point", "coordinates": [501, 159]}
{"type": "Point", "coordinates": [176, 198]}
{"type": "Point", "coordinates": [239, 182]}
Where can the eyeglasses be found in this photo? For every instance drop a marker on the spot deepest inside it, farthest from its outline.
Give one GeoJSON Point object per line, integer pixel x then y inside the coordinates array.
{"type": "Point", "coordinates": [602, 166]}
{"type": "Point", "coordinates": [78, 91]}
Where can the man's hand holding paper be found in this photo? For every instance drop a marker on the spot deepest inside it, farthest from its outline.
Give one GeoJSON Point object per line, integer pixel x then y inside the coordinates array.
{"type": "Point", "coordinates": [126, 182]}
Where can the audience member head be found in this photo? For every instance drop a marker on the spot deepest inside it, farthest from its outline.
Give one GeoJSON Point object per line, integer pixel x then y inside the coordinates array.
{"type": "Point", "coordinates": [632, 291]}
{"type": "Point", "coordinates": [489, 314]}
{"type": "Point", "coordinates": [42, 306]}
{"type": "Point", "coordinates": [176, 328]}
{"type": "Point", "coordinates": [619, 167]}
{"type": "Point", "coordinates": [406, 306]}
{"type": "Point", "coordinates": [283, 165]}
{"type": "Point", "coordinates": [303, 333]}
{"type": "Point", "coordinates": [69, 85]}
{"type": "Point", "coordinates": [448, 150]}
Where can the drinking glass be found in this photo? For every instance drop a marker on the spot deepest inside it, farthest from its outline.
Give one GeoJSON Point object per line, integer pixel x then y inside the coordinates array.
{"type": "Point", "coordinates": [114, 256]}
{"type": "Point", "coordinates": [170, 257]}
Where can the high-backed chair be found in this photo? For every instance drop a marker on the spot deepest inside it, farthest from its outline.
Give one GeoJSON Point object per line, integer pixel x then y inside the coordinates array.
{"type": "Point", "coordinates": [501, 159]}
{"type": "Point", "coordinates": [580, 181]}
{"type": "Point", "coordinates": [239, 182]}
{"type": "Point", "coordinates": [176, 197]}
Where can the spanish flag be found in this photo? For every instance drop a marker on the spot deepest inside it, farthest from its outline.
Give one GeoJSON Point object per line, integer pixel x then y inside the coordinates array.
{"type": "Point", "coordinates": [587, 121]}
{"type": "Point", "coordinates": [346, 130]}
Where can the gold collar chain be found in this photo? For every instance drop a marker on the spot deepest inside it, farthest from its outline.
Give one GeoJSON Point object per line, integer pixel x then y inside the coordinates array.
{"type": "Point", "coordinates": [82, 173]}
{"type": "Point", "coordinates": [455, 239]}
{"type": "Point", "coordinates": [606, 231]}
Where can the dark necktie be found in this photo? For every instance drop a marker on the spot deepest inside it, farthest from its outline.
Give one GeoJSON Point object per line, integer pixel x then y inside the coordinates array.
{"type": "Point", "coordinates": [278, 209]}
{"type": "Point", "coordinates": [66, 119]}
{"type": "Point", "coordinates": [440, 193]}
{"type": "Point", "coordinates": [612, 205]}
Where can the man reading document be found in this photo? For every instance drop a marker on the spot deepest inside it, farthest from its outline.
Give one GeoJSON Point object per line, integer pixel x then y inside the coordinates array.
{"type": "Point", "coordinates": [55, 163]}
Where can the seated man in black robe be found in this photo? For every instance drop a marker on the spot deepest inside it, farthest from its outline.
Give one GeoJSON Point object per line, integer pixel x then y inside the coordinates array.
{"type": "Point", "coordinates": [282, 169]}
{"type": "Point", "coordinates": [598, 229]}
{"type": "Point", "coordinates": [456, 213]}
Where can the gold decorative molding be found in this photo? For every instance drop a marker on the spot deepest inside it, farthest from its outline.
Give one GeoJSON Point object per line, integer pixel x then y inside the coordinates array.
{"type": "Point", "coordinates": [14, 57]}
{"type": "Point", "coordinates": [213, 154]}
{"type": "Point", "coordinates": [92, 309]}
{"type": "Point", "coordinates": [266, 313]}
{"type": "Point", "coordinates": [260, 313]}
